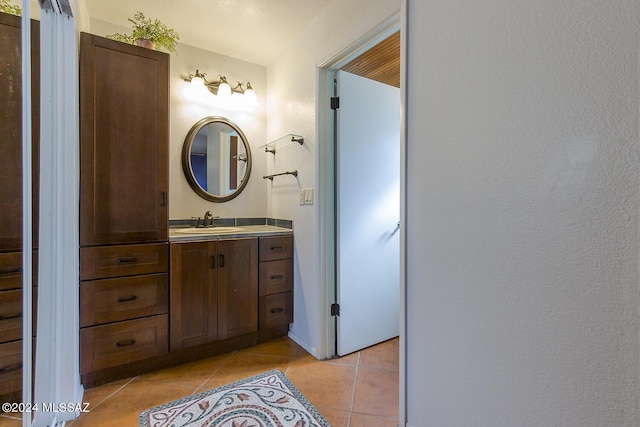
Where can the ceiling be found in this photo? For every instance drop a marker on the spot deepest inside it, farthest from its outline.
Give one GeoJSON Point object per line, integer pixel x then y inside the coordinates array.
{"type": "Point", "coordinates": [380, 63]}
{"type": "Point", "coordinates": [251, 30]}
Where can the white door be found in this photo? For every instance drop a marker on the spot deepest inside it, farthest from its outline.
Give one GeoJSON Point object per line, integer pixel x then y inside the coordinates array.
{"type": "Point", "coordinates": [368, 212]}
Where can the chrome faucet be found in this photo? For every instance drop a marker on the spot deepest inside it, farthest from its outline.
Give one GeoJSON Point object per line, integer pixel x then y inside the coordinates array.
{"type": "Point", "coordinates": [207, 221]}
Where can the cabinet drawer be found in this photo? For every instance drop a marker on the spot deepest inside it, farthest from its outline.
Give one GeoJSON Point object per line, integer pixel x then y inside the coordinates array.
{"type": "Point", "coordinates": [273, 248]}
{"type": "Point", "coordinates": [11, 314]}
{"type": "Point", "coordinates": [276, 277]}
{"type": "Point", "coordinates": [127, 260]}
{"type": "Point", "coordinates": [11, 270]}
{"type": "Point", "coordinates": [276, 310]}
{"type": "Point", "coordinates": [112, 300]}
{"type": "Point", "coordinates": [123, 342]}
{"type": "Point", "coordinates": [10, 367]}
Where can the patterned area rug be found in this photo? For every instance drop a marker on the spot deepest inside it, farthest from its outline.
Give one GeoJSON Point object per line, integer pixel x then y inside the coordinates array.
{"type": "Point", "coordinates": [265, 400]}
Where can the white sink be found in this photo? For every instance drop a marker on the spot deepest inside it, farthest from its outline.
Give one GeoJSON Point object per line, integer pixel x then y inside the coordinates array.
{"type": "Point", "coordinates": [210, 230]}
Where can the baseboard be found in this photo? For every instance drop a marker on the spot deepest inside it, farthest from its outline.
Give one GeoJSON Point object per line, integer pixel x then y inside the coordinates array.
{"type": "Point", "coordinates": [310, 349]}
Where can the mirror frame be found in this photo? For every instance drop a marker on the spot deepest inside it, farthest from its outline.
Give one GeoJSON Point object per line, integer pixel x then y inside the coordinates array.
{"type": "Point", "coordinates": [186, 159]}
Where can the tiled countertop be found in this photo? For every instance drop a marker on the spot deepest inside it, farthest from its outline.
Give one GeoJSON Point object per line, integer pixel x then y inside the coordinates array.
{"type": "Point", "coordinates": [178, 235]}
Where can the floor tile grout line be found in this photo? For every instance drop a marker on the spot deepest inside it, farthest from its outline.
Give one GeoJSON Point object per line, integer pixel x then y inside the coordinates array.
{"type": "Point", "coordinates": [112, 394]}
{"type": "Point", "coordinates": [353, 393]}
{"type": "Point", "coordinates": [222, 365]}
{"type": "Point", "coordinates": [9, 417]}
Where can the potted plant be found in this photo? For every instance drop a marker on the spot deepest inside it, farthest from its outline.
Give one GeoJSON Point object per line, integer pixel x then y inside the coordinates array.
{"type": "Point", "coordinates": [12, 9]}
{"type": "Point", "coordinates": [152, 34]}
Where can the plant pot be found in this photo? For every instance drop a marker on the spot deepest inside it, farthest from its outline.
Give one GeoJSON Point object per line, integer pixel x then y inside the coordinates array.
{"type": "Point", "coordinates": [146, 43]}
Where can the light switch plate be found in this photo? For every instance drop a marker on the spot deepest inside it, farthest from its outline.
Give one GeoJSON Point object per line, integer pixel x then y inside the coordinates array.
{"type": "Point", "coordinates": [308, 196]}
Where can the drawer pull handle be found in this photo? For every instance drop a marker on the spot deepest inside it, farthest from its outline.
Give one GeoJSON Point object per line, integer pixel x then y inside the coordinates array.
{"type": "Point", "coordinates": [127, 343]}
{"type": "Point", "coordinates": [10, 368]}
{"type": "Point", "coordinates": [11, 316]}
{"type": "Point", "coordinates": [129, 298]}
{"type": "Point", "coordinates": [11, 270]}
{"type": "Point", "coordinates": [278, 276]}
{"type": "Point", "coordinates": [277, 310]}
{"type": "Point", "coordinates": [127, 260]}
{"type": "Point", "coordinates": [277, 248]}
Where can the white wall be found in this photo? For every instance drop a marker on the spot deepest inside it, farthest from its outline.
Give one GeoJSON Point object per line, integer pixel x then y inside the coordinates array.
{"type": "Point", "coordinates": [184, 113]}
{"type": "Point", "coordinates": [292, 98]}
{"type": "Point", "coordinates": [523, 213]}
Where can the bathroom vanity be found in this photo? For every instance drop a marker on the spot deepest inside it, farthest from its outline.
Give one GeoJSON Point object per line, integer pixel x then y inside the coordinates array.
{"type": "Point", "coordinates": [152, 297]}
{"type": "Point", "coordinates": [225, 291]}
{"type": "Point", "coordinates": [231, 285]}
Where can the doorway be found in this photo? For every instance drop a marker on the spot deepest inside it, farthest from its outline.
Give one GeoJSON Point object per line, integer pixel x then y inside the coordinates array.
{"type": "Point", "coordinates": [371, 63]}
{"type": "Point", "coordinates": [326, 164]}
{"type": "Point", "coordinates": [367, 141]}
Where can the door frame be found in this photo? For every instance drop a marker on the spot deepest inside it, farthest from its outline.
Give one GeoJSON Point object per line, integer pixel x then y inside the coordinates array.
{"type": "Point", "coordinates": [327, 185]}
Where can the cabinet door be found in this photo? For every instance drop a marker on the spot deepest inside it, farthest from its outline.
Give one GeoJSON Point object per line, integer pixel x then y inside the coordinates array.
{"type": "Point", "coordinates": [237, 287]}
{"type": "Point", "coordinates": [124, 134]}
{"type": "Point", "coordinates": [194, 295]}
{"type": "Point", "coordinates": [11, 129]}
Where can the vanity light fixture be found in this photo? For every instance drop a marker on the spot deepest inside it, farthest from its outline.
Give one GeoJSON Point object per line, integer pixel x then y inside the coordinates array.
{"type": "Point", "coordinates": [222, 88]}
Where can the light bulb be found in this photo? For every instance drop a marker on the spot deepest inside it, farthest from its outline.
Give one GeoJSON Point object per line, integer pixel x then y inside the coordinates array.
{"type": "Point", "coordinates": [250, 96]}
{"type": "Point", "coordinates": [224, 90]}
{"type": "Point", "coordinates": [197, 82]}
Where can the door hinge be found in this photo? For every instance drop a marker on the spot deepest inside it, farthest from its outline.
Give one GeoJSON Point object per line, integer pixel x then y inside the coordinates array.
{"type": "Point", "coordinates": [335, 103]}
{"type": "Point", "coordinates": [335, 309]}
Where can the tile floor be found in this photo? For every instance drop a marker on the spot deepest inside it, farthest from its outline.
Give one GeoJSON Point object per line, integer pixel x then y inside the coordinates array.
{"type": "Point", "coordinates": [357, 390]}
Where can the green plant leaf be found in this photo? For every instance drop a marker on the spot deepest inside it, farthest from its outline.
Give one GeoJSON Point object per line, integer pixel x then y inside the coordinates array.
{"type": "Point", "coordinates": [7, 7]}
{"type": "Point", "coordinates": [148, 29]}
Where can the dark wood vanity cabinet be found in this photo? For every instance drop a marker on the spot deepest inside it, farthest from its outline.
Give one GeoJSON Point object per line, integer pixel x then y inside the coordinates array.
{"type": "Point", "coordinates": [124, 249]}
{"type": "Point", "coordinates": [194, 294]}
{"type": "Point", "coordinates": [214, 291]}
{"type": "Point", "coordinates": [275, 286]}
{"type": "Point", "coordinates": [11, 313]}
{"type": "Point", "coordinates": [124, 304]}
{"type": "Point", "coordinates": [146, 303]}
{"type": "Point", "coordinates": [124, 133]}
{"type": "Point", "coordinates": [11, 130]}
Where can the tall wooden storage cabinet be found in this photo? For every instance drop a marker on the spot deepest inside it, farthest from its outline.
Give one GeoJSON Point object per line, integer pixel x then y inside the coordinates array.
{"type": "Point", "coordinates": [11, 195]}
{"type": "Point", "coordinates": [124, 143]}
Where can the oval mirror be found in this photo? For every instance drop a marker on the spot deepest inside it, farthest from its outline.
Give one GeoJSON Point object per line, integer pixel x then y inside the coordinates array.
{"type": "Point", "coordinates": [216, 159]}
